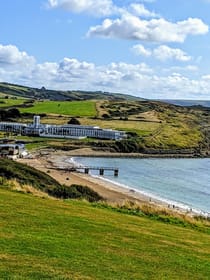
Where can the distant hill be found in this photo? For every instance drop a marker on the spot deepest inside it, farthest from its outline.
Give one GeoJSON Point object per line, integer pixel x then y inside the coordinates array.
{"type": "Point", "coordinates": [43, 93]}
{"type": "Point", "coordinates": [180, 102]}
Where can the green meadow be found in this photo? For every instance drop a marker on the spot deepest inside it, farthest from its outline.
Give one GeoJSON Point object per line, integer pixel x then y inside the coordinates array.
{"type": "Point", "coordinates": [71, 108]}
{"type": "Point", "coordinates": [42, 238]}
{"type": "Point", "coordinates": [11, 102]}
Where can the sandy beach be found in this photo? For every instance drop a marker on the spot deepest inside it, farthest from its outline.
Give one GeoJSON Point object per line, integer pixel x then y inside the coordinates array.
{"type": "Point", "coordinates": [54, 162]}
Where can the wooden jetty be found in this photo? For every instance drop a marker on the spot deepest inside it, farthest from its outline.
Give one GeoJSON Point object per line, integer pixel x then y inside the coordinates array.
{"type": "Point", "coordinates": [100, 169]}
{"type": "Point", "coordinates": [86, 169]}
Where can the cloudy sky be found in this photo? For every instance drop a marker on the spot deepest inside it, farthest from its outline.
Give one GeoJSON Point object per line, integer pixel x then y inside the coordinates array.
{"type": "Point", "coordinates": [147, 48]}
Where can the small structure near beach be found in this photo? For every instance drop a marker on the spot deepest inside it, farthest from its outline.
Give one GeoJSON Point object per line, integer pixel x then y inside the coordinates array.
{"type": "Point", "coordinates": [13, 151]}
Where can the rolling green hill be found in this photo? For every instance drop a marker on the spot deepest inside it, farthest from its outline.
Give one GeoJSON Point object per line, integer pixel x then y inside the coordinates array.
{"type": "Point", "coordinates": [153, 127]}
{"type": "Point", "coordinates": [43, 93]}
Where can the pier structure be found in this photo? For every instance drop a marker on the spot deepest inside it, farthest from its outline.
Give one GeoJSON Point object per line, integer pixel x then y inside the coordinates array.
{"type": "Point", "coordinates": [100, 169]}
{"type": "Point", "coordinates": [87, 169]}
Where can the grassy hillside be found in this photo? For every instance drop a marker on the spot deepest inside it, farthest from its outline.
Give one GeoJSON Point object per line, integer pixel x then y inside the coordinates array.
{"type": "Point", "coordinates": [52, 239]}
{"type": "Point", "coordinates": [10, 102]}
{"type": "Point", "coordinates": [26, 175]}
{"type": "Point", "coordinates": [14, 174]}
{"type": "Point", "coordinates": [155, 127]}
{"type": "Point", "coordinates": [43, 93]}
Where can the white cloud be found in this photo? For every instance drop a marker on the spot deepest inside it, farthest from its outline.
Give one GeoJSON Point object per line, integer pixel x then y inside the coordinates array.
{"type": "Point", "coordinates": [95, 8]}
{"type": "Point", "coordinates": [73, 64]}
{"type": "Point", "coordinates": [100, 7]}
{"type": "Point", "coordinates": [206, 77]}
{"type": "Point", "coordinates": [10, 55]}
{"type": "Point", "coordinates": [44, 73]}
{"type": "Point", "coordinates": [148, 1]}
{"type": "Point", "coordinates": [141, 50]}
{"type": "Point", "coordinates": [164, 53]}
{"type": "Point", "coordinates": [70, 73]}
{"type": "Point", "coordinates": [140, 10]}
{"type": "Point", "coordinates": [192, 68]}
{"type": "Point", "coordinates": [188, 68]}
{"type": "Point", "coordinates": [131, 27]}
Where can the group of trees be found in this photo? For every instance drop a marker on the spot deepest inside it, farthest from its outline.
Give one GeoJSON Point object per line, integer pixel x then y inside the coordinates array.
{"type": "Point", "coordinates": [9, 114]}
{"type": "Point", "coordinates": [13, 113]}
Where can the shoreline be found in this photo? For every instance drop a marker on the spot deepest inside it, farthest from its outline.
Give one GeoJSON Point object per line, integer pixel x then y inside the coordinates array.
{"type": "Point", "coordinates": [147, 197]}
{"type": "Point", "coordinates": [88, 152]}
{"type": "Point", "coordinates": [54, 163]}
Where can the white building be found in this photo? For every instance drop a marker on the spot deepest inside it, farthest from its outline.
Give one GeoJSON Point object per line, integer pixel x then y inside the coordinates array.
{"type": "Point", "coordinates": [13, 151]}
{"type": "Point", "coordinates": [61, 131]}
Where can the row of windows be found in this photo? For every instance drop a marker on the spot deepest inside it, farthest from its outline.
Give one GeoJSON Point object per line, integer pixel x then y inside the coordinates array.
{"type": "Point", "coordinates": [62, 131]}
{"type": "Point", "coordinates": [11, 127]}
{"type": "Point", "coordinates": [81, 132]}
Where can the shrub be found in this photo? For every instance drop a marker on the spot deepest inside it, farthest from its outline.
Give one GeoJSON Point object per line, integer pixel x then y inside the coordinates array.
{"type": "Point", "coordinates": [75, 191]}
{"type": "Point", "coordinates": [106, 116]}
{"type": "Point", "coordinates": [74, 121]}
{"type": "Point", "coordinates": [27, 175]}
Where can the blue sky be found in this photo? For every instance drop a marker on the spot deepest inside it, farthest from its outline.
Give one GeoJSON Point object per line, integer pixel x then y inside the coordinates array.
{"type": "Point", "coordinates": [148, 48]}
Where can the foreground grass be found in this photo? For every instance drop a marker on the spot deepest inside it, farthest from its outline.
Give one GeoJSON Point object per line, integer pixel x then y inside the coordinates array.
{"type": "Point", "coordinates": [52, 239]}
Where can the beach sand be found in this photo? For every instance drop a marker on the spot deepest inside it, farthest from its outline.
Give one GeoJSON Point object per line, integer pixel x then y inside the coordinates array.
{"type": "Point", "coordinates": [52, 162]}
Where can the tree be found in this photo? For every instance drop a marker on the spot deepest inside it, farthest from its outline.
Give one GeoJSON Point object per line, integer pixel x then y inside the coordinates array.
{"type": "Point", "coordinates": [106, 116]}
{"type": "Point", "coordinates": [13, 113]}
{"type": "Point", "coordinates": [74, 121]}
{"type": "Point", "coordinates": [8, 114]}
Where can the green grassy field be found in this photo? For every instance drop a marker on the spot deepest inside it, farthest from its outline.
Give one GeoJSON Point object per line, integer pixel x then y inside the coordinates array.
{"type": "Point", "coordinates": [181, 137]}
{"type": "Point", "coordinates": [51, 239]}
{"type": "Point", "coordinates": [38, 142]}
{"type": "Point", "coordinates": [74, 108]}
{"type": "Point", "coordinates": [11, 102]}
{"type": "Point", "coordinates": [141, 128]}
{"type": "Point", "coordinates": [176, 130]}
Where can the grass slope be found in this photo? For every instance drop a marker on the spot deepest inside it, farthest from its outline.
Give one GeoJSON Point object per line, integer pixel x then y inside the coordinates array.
{"type": "Point", "coordinates": [52, 239]}
{"type": "Point", "coordinates": [25, 175]}
{"type": "Point", "coordinates": [11, 102]}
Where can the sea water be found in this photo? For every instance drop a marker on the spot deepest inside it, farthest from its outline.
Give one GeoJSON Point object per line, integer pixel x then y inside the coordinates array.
{"type": "Point", "coordinates": [184, 182]}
